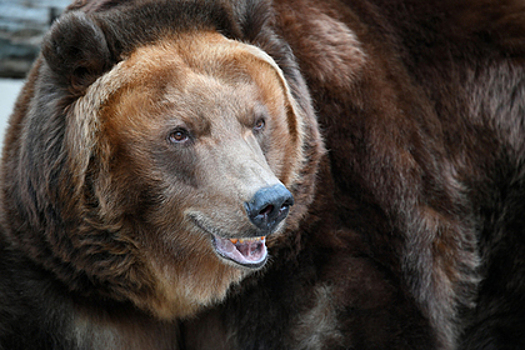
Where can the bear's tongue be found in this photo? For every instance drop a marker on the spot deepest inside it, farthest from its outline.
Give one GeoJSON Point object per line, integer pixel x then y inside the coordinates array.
{"type": "Point", "coordinates": [248, 252]}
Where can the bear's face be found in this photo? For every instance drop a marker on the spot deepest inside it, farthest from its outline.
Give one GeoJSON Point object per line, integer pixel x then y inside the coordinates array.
{"type": "Point", "coordinates": [157, 165]}
{"type": "Point", "coordinates": [198, 140]}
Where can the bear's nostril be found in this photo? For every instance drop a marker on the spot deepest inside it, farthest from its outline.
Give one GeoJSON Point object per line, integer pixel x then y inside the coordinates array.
{"type": "Point", "coordinates": [267, 210]}
{"type": "Point", "coordinates": [287, 204]}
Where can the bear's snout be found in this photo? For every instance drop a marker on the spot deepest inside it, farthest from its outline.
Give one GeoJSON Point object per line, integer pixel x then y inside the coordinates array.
{"type": "Point", "coordinates": [269, 206]}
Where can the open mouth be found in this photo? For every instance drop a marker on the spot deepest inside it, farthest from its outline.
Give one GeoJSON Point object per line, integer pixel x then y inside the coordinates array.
{"type": "Point", "coordinates": [248, 252]}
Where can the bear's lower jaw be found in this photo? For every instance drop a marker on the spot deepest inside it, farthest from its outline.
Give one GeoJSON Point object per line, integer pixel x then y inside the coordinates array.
{"type": "Point", "coordinates": [248, 252]}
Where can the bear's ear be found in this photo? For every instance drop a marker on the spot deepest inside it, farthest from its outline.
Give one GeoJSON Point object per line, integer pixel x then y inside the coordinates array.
{"type": "Point", "coordinates": [76, 51]}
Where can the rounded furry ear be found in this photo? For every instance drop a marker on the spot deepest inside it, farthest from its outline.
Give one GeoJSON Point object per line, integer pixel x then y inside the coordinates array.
{"type": "Point", "coordinates": [76, 51]}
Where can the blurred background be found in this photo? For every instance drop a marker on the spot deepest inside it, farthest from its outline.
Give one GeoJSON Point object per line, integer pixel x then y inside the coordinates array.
{"type": "Point", "coordinates": [23, 23]}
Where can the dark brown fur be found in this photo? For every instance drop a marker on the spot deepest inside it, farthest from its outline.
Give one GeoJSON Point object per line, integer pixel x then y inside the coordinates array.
{"type": "Point", "coordinates": [414, 238]}
{"type": "Point", "coordinates": [108, 218]}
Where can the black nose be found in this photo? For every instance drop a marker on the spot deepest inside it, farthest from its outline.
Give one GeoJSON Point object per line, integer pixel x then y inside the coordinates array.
{"type": "Point", "coordinates": [269, 206]}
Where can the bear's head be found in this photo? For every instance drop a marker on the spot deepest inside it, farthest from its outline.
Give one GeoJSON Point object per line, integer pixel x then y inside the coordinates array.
{"type": "Point", "coordinates": [151, 162]}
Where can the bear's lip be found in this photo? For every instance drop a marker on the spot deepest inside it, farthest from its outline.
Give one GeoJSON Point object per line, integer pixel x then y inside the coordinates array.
{"type": "Point", "coordinates": [248, 252]}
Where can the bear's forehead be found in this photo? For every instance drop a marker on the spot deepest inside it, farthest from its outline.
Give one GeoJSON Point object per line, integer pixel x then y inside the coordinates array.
{"type": "Point", "coordinates": [186, 62]}
{"type": "Point", "coordinates": [197, 75]}
{"type": "Point", "coordinates": [189, 57]}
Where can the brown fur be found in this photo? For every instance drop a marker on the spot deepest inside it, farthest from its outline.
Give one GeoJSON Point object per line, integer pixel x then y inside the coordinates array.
{"type": "Point", "coordinates": [126, 216]}
{"type": "Point", "coordinates": [407, 233]}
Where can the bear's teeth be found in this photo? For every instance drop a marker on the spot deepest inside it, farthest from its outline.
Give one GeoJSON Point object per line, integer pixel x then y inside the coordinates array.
{"type": "Point", "coordinates": [241, 241]}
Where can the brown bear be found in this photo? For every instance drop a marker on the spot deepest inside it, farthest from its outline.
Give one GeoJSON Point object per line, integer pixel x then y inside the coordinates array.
{"type": "Point", "coordinates": [165, 186]}
{"type": "Point", "coordinates": [145, 165]}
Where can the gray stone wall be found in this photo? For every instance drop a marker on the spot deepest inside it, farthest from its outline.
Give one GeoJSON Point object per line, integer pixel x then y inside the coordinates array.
{"type": "Point", "coordinates": [23, 23]}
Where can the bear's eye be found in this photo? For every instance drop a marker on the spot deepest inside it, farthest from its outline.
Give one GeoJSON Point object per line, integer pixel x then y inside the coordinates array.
{"type": "Point", "coordinates": [259, 124]}
{"type": "Point", "coordinates": [179, 136]}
